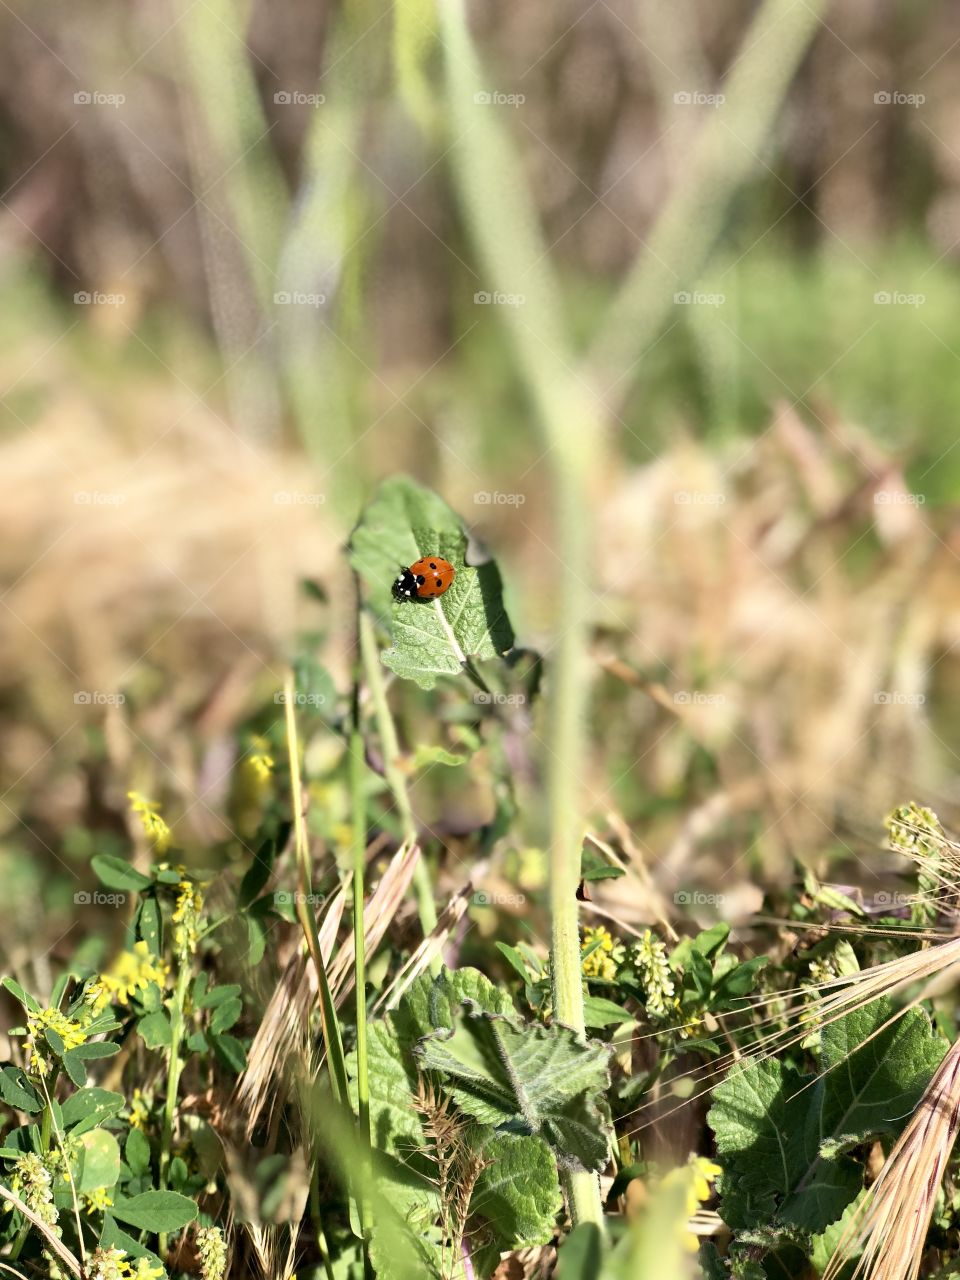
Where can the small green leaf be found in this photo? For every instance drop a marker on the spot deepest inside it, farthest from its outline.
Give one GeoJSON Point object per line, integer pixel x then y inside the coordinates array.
{"type": "Point", "coordinates": [149, 925]}
{"type": "Point", "coordinates": [17, 1091]}
{"type": "Point", "coordinates": [156, 1211]}
{"type": "Point", "coordinates": [598, 1012]}
{"type": "Point", "coordinates": [218, 995]}
{"type": "Point", "coordinates": [430, 638]}
{"type": "Point", "coordinates": [230, 1050]}
{"type": "Point", "coordinates": [99, 1160]}
{"type": "Point", "coordinates": [225, 1015]}
{"type": "Point", "coordinates": [96, 1049]}
{"type": "Point", "coordinates": [593, 867]}
{"type": "Point", "coordinates": [25, 999]}
{"type": "Point", "coordinates": [155, 1030]}
{"type": "Point", "coordinates": [75, 1069]}
{"type": "Point", "coordinates": [88, 1108]}
{"type": "Point", "coordinates": [136, 1152]}
{"type": "Point", "coordinates": [116, 873]}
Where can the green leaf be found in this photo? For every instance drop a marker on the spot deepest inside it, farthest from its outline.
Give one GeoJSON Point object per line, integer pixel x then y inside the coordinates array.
{"type": "Point", "coordinates": [598, 1012]}
{"type": "Point", "coordinates": [17, 1091]}
{"type": "Point", "coordinates": [74, 1067]}
{"type": "Point", "coordinates": [533, 1079]}
{"type": "Point", "coordinates": [155, 1030]}
{"type": "Point", "coordinates": [136, 1152]}
{"type": "Point", "coordinates": [88, 1108]}
{"type": "Point", "coordinates": [781, 1137]}
{"type": "Point", "coordinates": [394, 1123]}
{"type": "Point", "coordinates": [593, 867]}
{"type": "Point", "coordinates": [96, 1049]}
{"type": "Point", "coordinates": [112, 1237]}
{"type": "Point", "coordinates": [225, 1015]}
{"type": "Point", "coordinates": [149, 925]}
{"type": "Point", "coordinates": [157, 1211]}
{"type": "Point", "coordinates": [518, 1192]}
{"type": "Point", "coordinates": [116, 873]}
{"type": "Point", "coordinates": [99, 1160]}
{"type": "Point", "coordinates": [430, 638]}
{"type": "Point", "coordinates": [25, 999]}
{"type": "Point", "coordinates": [230, 1051]}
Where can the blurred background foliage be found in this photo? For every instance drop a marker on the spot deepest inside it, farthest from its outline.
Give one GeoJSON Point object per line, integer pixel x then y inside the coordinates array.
{"type": "Point", "coordinates": [241, 286]}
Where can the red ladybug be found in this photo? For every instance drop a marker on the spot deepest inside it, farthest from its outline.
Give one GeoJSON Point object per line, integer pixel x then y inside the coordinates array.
{"type": "Point", "coordinates": [426, 579]}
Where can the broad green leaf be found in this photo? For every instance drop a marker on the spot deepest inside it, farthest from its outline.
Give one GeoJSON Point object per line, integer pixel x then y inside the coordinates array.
{"type": "Point", "coordinates": [88, 1108]}
{"type": "Point", "coordinates": [96, 1049]}
{"type": "Point", "coordinates": [115, 873]}
{"type": "Point", "coordinates": [598, 1012]}
{"type": "Point", "coordinates": [518, 1193]}
{"type": "Point", "coordinates": [394, 1123]}
{"type": "Point", "coordinates": [156, 1211]}
{"type": "Point", "coordinates": [99, 1161]}
{"type": "Point", "coordinates": [430, 638]}
{"type": "Point", "coordinates": [24, 997]}
{"type": "Point", "coordinates": [112, 1237]}
{"type": "Point", "coordinates": [527, 1079]}
{"type": "Point", "coordinates": [781, 1137]}
{"type": "Point", "coordinates": [225, 1015]}
{"type": "Point", "coordinates": [74, 1066]}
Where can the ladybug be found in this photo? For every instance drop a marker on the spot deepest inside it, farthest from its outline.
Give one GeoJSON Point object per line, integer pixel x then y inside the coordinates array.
{"type": "Point", "coordinates": [426, 579]}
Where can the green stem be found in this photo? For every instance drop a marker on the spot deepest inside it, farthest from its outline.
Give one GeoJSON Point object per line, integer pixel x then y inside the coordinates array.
{"type": "Point", "coordinates": [330, 1026]}
{"type": "Point", "coordinates": [174, 1070]}
{"type": "Point", "coordinates": [359, 843]}
{"type": "Point", "coordinates": [396, 779]}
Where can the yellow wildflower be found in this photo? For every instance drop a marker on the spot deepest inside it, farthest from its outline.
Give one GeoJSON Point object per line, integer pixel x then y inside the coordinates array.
{"type": "Point", "coordinates": [260, 762]}
{"type": "Point", "coordinates": [70, 1032]}
{"type": "Point", "coordinates": [97, 1201]}
{"type": "Point", "coordinates": [132, 971]}
{"type": "Point", "coordinates": [650, 957]}
{"type": "Point", "coordinates": [139, 1112]}
{"type": "Point", "coordinates": [33, 1182]}
{"type": "Point", "coordinates": [604, 960]}
{"type": "Point", "coordinates": [186, 916]}
{"type": "Point", "coordinates": [154, 826]}
{"type": "Point", "coordinates": [213, 1253]}
{"type": "Point", "coordinates": [697, 1176]}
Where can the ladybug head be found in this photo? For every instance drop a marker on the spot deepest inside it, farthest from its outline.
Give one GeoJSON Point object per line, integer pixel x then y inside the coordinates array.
{"type": "Point", "coordinates": [405, 587]}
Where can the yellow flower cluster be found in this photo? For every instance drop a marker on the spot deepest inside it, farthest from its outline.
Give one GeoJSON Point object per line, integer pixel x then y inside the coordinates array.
{"type": "Point", "coordinates": [112, 1264]}
{"type": "Point", "coordinates": [186, 917]}
{"type": "Point", "coordinates": [33, 1182]}
{"type": "Point", "coordinates": [697, 1177]}
{"type": "Point", "coordinates": [156, 829]}
{"type": "Point", "coordinates": [650, 957]}
{"type": "Point", "coordinates": [96, 1201]}
{"type": "Point", "coordinates": [606, 956]}
{"type": "Point", "coordinates": [139, 1112]}
{"type": "Point", "coordinates": [132, 971]}
{"type": "Point", "coordinates": [70, 1032]}
{"type": "Point", "coordinates": [260, 763]}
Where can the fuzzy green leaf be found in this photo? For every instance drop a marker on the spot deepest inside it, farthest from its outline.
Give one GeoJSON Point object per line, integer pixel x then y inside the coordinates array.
{"type": "Point", "coordinates": [518, 1193]}
{"type": "Point", "coordinates": [781, 1136]}
{"type": "Point", "coordinates": [430, 638]}
{"type": "Point", "coordinates": [524, 1079]}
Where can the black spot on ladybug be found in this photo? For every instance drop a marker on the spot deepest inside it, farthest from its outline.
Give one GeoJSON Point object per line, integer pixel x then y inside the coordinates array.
{"type": "Point", "coordinates": [432, 565]}
{"type": "Point", "coordinates": [420, 579]}
{"type": "Point", "coordinates": [439, 582]}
